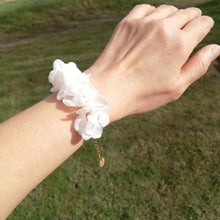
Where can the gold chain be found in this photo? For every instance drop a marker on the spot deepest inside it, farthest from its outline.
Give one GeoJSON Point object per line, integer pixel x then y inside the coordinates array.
{"type": "Point", "coordinates": [97, 147]}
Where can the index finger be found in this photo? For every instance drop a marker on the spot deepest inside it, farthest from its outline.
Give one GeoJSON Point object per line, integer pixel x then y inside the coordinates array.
{"type": "Point", "coordinates": [140, 11]}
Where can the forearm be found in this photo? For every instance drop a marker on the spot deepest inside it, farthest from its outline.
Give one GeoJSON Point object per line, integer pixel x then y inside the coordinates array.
{"type": "Point", "coordinates": [32, 145]}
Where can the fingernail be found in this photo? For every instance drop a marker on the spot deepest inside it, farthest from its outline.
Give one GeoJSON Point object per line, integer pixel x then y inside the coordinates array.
{"type": "Point", "coordinates": [216, 52]}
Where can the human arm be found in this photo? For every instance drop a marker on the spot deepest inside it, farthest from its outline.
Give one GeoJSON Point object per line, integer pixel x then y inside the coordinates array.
{"type": "Point", "coordinates": [139, 70]}
{"type": "Point", "coordinates": [33, 144]}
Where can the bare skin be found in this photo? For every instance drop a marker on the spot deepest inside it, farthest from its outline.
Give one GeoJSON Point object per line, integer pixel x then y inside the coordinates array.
{"type": "Point", "coordinates": [146, 60]}
{"type": "Point", "coordinates": [144, 66]}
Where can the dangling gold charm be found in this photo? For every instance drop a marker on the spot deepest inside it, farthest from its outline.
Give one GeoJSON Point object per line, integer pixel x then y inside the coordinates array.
{"type": "Point", "coordinates": [101, 159]}
{"type": "Point", "coordinates": [102, 162]}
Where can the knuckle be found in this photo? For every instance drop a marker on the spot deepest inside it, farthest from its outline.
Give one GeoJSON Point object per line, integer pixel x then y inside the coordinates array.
{"type": "Point", "coordinates": [172, 8]}
{"type": "Point", "coordinates": [124, 23]}
{"type": "Point", "coordinates": [163, 6]}
{"type": "Point", "coordinates": [128, 24]}
{"type": "Point", "coordinates": [138, 6]}
{"type": "Point", "coordinates": [142, 6]}
{"type": "Point", "coordinates": [183, 11]}
{"type": "Point", "coordinates": [178, 43]}
{"type": "Point", "coordinates": [188, 13]}
{"type": "Point", "coordinates": [197, 10]}
{"type": "Point", "coordinates": [161, 27]}
{"type": "Point", "coordinates": [169, 7]}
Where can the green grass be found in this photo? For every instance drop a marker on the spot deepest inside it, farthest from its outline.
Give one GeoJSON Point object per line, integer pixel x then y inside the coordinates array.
{"type": "Point", "coordinates": [159, 165]}
{"type": "Point", "coordinates": [26, 18]}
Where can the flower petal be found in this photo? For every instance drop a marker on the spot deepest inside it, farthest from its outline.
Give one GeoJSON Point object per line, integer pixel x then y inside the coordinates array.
{"type": "Point", "coordinates": [56, 79]}
{"type": "Point", "coordinates": [90, 128]}
{"type": "Point", "coordinates": [98, 132]}
{"type": "Point", "coordinates": [85, 137]}
{"type": "Point", "coordinates": [104, 119]}
{"type": "Point", "coordinates": [68, 101]}
{"type": "Point", "coordinates": [58, 65]}
{"type": "Point", "coordinates": [77, 123]}
{"type": "Point", "coordinates": [60, 95]}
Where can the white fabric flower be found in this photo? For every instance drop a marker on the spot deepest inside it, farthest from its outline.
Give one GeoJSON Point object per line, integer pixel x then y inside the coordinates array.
{"type": "Point", "coordinates": [74, 89]}
{"type": "Point", "coordinates": [90, 122]}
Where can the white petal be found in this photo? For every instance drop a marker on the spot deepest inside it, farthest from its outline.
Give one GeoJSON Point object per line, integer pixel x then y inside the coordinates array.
{"type": "Point", "coordinates": [58, 64]}
{"type": "Point", "coordinates": [72, 64]}
{"type": "Point", "coordinates": [69, 79]}
{"type": "Point", "coordinates": [85, 137]}
{"type": "Point", "coordinates": [74, 69]}
{"type": "Point", "coordinates": [70, 91]}
{"type": "Point", "coordinates": [85, 78]}
{"type": "Point", "coordinates": [98, 132]}
{"type": "Point", "coordinates": [60, 95]}
{"type": "Point", "coordinates": [68, 101]}
{"type": "Point", "coordinates": [83, 122]}
{"type": "Point", "coordinates": [54, 89]}
{"type": "Point", "coordinates": [76, 123]}
{"type": "Point", "coordinates": [104, 119]}
{"type": "Point", "coordinates": [56, 79]}
{"type": "Point", "coordinates": [90, 93]}
{"type": "Point", "coordinates": [76, 101]}
{"type": "Point", "coordinates": [93, 118]}
{"type": "Point", "coordinates": [90, 128]}
{"type": "Point", "coordinates": [82, 111]}
{"type": "Point", "coordinates": [86, 75]}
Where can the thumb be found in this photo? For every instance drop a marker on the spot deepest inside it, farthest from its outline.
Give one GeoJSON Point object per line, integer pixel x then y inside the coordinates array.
{"type": "Point", "coordinates": [198, 64]}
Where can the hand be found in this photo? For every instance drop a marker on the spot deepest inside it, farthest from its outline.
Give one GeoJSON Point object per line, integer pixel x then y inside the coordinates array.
{"type": "Point", "coordinates": [146, 63]}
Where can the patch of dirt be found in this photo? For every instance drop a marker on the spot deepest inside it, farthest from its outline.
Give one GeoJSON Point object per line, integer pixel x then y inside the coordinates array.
{"type": "Point", "coordinates": [46, 35]}
{"type": "Point", "coordinates": [6, 1]}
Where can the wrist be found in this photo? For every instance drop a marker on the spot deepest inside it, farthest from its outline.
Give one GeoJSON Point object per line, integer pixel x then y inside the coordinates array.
{"type": "Point", "coordinates": [107, 87]}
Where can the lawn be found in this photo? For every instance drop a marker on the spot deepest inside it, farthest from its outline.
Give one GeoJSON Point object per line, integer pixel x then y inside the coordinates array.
{"type": "Point", "coordinates": [159, 165]}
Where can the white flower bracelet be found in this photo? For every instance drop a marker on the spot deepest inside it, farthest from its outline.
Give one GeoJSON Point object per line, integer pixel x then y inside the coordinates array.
{"type": "Point", "coordinates": [74, 89]}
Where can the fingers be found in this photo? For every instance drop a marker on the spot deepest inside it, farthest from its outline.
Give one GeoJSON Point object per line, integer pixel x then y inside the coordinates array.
{"type": "Point", "coordinates": [161, 12]}
{"type": "Point", "coordinates": [140, 11]}
{"type": "Point", "coordinates": [198, 64]}
{"type": "Point", "coordinates": [197, 29]}
{"type": "Point", "coordinates": [183, 16]}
